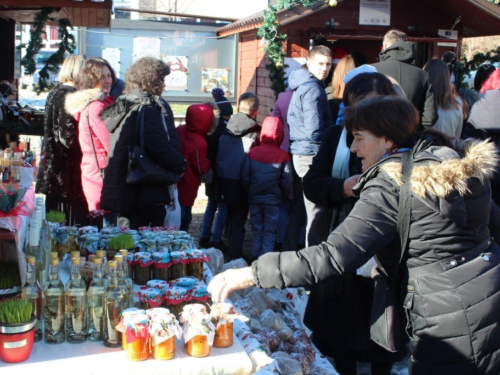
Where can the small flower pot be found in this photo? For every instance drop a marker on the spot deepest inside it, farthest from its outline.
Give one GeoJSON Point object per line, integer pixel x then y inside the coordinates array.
{"type": "Point", "coordinates": [16, 341]}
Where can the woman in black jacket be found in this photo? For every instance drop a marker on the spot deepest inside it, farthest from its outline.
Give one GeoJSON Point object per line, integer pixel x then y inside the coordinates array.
{"type": "Point", "coordinates": [143, 205]}
{"type": "Point", "coordinates": [449, 277]}
{"type": "Point", "coordinates": [59, 175]}
{"type": "Point", "coordinates": [338, 312]}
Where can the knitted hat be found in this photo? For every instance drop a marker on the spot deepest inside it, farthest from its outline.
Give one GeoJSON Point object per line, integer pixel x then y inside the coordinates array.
{"type": "Point", "coordinates": [360, 69]}
{"type": "Point", "coordinates": [226, 109]}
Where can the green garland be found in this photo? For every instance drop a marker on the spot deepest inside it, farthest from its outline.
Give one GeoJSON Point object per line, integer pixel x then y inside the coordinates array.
{"type": "Point", "coordinates": [38, 33]}
{"type": "Point", "coordinates": [465, 67]}
{"type": "Point", "coordinates": [494, 1]}
{"type": "Point", "coordinates": [275, 40]}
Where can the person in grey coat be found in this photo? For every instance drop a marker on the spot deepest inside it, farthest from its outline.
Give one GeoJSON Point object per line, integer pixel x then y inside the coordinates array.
{"type": "Point", "coordinates": [267, 177]}
{"type": "Point", "coordinates": [449, 277]}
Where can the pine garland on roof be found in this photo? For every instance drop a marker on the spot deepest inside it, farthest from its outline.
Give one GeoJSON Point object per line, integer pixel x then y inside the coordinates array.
{"type": "Point", "coordinates": [275, 41]}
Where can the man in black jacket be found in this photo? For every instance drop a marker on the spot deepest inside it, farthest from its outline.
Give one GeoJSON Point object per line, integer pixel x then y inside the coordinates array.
{"type": "Point", "coordinates": [395, 61]}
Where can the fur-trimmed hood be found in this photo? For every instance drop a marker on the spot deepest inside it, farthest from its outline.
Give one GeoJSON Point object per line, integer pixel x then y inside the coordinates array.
{"type": "Point", "coordinates": [447, 173]}
{"type": "Point", "coordinates": [77, 101]}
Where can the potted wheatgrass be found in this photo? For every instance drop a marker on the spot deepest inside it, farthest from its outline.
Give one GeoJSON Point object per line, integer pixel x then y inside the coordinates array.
{"type": "Point", "coordinates": [121, 241]}
{"type": "Point", "coordinates": [17, 330]}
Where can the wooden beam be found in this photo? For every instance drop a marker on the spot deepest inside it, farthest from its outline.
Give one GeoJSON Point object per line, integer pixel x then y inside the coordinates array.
{"type": "Point", "coordinates": [58, 3]}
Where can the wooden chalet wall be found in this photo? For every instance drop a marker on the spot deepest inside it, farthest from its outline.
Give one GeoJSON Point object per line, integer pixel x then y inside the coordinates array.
{"type": "Point", "coordinates": [253, 75]}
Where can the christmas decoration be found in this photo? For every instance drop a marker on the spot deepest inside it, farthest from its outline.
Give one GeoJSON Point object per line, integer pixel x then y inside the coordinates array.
{"type": "Point", "coordinates": [274, 40]}
{"type": "Point", "coordinates": [465, 67]}
{"type": "Point", "coordinates": [53, 63]}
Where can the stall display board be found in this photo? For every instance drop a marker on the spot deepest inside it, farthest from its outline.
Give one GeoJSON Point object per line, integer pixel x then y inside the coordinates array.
{"type": "Point", "coordinates": [375, 12]}
{"type": "Point", "coordinates": [212, 78]}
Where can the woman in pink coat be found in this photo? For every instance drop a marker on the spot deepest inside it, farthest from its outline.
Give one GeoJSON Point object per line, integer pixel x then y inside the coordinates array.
{"type": "Point", "coordinates": [95, 80]}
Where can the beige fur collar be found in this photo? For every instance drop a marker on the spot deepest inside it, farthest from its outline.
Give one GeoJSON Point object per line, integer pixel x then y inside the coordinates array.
{"type": "Point", "coordinates": [77, 101]}
{"type": "Point", "coordinates": [440, 179]}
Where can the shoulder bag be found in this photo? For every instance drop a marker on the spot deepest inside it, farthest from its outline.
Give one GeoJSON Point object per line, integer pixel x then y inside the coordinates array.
{"type": "Point", "coordinates": [142, 170]}
{"type": "Point", "coordinates": [387, 318]}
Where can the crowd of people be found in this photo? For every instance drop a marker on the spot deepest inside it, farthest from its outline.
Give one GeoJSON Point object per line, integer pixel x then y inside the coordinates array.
{"type": "Point", "coordinates": [322, 181]}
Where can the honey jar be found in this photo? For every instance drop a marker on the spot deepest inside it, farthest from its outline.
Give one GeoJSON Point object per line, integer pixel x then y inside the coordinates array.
{"type": "Point", "coordinates": [198, 346]}
{"type": "Point", "coordinates": [163, 329]}
{"type": "Point", "coordinates": [223, 314]}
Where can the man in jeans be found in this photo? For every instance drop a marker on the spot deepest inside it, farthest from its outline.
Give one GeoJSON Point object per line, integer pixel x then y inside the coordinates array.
{"type": "Point", "coordinates": [308, 117]}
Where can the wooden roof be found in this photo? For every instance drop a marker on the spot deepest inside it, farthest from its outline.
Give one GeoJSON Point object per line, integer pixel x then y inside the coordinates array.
{"type": "Point", "coordinates": [478, 17]}
{"type": "Point", "coordinates": [83, 13]}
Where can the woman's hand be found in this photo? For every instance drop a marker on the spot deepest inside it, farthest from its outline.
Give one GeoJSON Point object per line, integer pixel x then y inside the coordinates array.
{"type": "Point", "coordinates": [225, 282]}
{"type": "Point", "coordinates": [349, 184]}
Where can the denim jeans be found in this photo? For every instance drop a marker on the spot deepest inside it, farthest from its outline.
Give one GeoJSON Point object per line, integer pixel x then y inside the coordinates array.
{"type": "Point", "coordinates": [186, 217]}
{"type": "Point", "coordinates": [264, 220]}
{"type": "Point", "coordinates": [207, 231]}
{"type": "Point", "coordinates": [237, 214]}
{"type": "Point", "coordinates": [282, 220]}
{"type": "Point", "coordinates": [301, 165]}
{"type": "Point", "coordinates": [297, 219]}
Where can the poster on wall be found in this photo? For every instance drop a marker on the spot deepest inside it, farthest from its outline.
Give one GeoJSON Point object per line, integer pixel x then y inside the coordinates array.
{"type": "Point", "coordinates": [177, 79]}
{"type": "Point", "coordinates": [112, 55]}
{"type": "Point", "coordinates": [375, 12]}
{"type": "Point", "coordinates": [212, 78]}
{"type": "Point", "coordinates": [146, 47]}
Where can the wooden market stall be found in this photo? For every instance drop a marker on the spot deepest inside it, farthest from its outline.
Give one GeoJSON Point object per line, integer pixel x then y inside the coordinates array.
{"type": "Point", "coordinates": [340, 27]}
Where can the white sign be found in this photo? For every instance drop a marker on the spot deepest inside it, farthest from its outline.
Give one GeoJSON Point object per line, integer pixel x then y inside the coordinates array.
{"type": "Point", "coordinates": [146, 47]}
{"type": "Point", "coordinates": [112, 55]}
{"type": "Point", "coordinates": [177, 79]}
{"type": "Point", "coordinates": [375, 12]}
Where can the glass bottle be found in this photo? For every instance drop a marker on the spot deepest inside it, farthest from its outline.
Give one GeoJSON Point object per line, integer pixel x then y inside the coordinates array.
{"type": "Point", "coordinates": [76, 305]}
{"type": "Point", "coordinates": [122, 282]}
{"type": "Point", "coordinates": [33, 293]}
{"type": "Point", "coordinates": [113, 307]}
{"type": "Point", "coordinates": [127, 276]}
{"type": "Point", "coordinates": [54, 305]}
{"type": "Point", "coordinates": [95, 296]}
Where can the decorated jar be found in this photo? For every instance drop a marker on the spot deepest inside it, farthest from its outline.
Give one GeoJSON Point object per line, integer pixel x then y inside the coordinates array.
{"type": "Point", "coordinates": [66, 241]}
{"type": "Point", "coordinates": [87, 230]}
{"type": "Point", "coordinates": [163, 329]}
{"type": "Point", "coordinates": [195, 265]}
{"type": "Point", "coordinates": [175, 299]}
{"type": "Point", "coordinates": [162, 244]}
{"type": "Point", "coordinates": [223, 315]}
{"type": "Point", "coordinates": [198, 330]}
{"type": "Point", "coordinates": [128, 312]}
{"type": "Point", "coordinates": [149, 297]}
{"type": "Point", "coordinates": [161, 265]}
{"type": "Point", "coordinates": [187, 282]}
{"type": "Point", "coordinates": [179, 260]}
{"type": "Point", "coordinates": [135, 329]}
{"type": "Point", "coordinates": [147, 233]}
{"type": "Point", "coordinates": [137, 243]}
{"type": "Point", "coordinates": [54, 227]}
{"type": "Point", "coordinates": [199, 294]}
{"type": "Point", "coordinates": [142, 267]}
{"type": "Point", "coordinates": [110, 231]}
{"type": "Point", "coordinates": [149, 244]}
{"type": "Point", "coordinates": [89, 243]}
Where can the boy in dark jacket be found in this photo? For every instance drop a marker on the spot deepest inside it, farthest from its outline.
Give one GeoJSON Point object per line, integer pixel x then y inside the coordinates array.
{"type": "Point", "coordinates": [242, 133]}
{"type": "Point", "coordinates": [267, 177]}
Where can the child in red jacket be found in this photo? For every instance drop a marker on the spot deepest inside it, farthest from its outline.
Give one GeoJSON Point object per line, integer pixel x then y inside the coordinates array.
{"type": "Point", "coordinates": [200, 120]}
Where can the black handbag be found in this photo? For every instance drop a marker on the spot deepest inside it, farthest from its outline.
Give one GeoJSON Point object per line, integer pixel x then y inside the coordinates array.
{"type": "Point", "coordinates": [387, 317]}
{"type": "Point", "coordinates": [142, 170]}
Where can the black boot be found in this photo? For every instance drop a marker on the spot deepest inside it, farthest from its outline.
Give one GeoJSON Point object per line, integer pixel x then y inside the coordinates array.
{"type": "Point", "coordinates": [204, 243]}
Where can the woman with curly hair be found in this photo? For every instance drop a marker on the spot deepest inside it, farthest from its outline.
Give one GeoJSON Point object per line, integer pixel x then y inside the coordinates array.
{"type": "Point", "coordinates": [142, 205]}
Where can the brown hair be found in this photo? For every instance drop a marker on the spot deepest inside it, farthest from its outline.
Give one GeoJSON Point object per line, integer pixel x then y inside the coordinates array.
{"type": "Point", "coordinates": [147, 74]}
{"type": "Point", "coordinates": [319, 50]}
{"type": "Point", "coordinates": [248, 103]}
{"type": "Point", "coordinates": [384, 116]}
{"type": "Point", "coordinates": [91, 72]}
{"type": "Point", "coordinates": [345, 65]}
{"type": "Point", "coordinates": [365, 84]}
{"type": "Point", "coordinates": [439, 76]}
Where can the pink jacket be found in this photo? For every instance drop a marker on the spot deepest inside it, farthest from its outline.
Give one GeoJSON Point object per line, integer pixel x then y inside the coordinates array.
{"type": "Point", "coordinates": [85, 106]}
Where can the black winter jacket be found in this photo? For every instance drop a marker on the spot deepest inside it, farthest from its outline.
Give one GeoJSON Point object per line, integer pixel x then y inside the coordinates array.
{"type": "Point", "coordinates": [212, 149]}
{"type": "Point", "coordinates": [59, 175]}
{"type": "Point", "coordinates": [120, 119]}
{"type": "Point", "coordinates": [455, 311]}
{"type": "Point", "coordinates": [395, 61]}
{"type": "Point", "coordinates": [242, 133]}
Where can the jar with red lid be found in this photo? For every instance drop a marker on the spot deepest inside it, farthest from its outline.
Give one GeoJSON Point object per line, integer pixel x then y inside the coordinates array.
{"type": "Point", "coordinates": [161, 266]}
{"type": "Point", "coordinates": [179, 260]}
{"type": "Point", "coordinates": [142, 267]}
{"type": "Point", "coordinates": [135, 327]}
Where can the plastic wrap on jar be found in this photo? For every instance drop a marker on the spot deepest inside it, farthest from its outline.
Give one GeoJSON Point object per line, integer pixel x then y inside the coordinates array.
{"type": "Point", "coordinates": [89, 229]}
{"type": "Point", "coordinates": [150, 296]}
{"type": "Point", "coordinates": [149, 245]}
{"type": "Point", "coordinates": [163, 244]}
{"type": "Point", "coordinates": [66, 241]}
{"type": "Point", "coordinates": [89, 243]}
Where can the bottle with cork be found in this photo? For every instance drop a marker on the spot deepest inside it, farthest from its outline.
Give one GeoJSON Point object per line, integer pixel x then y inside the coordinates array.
{"type": "Point", "coordinates": [113, 306]}
{"type": "Point", "coordinates": [33, 293]}
{"type": "Point", "coordinates": [76, 305]}
{"type": "Point", "coordinates": [54, 304]}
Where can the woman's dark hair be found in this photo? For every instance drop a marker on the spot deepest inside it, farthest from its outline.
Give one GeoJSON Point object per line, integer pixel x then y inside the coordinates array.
{"type": "Point", "coordinates": [482, 74]}
{"type": "Point", "coordinates": [91, 73]}
{"type": "Point", "coordinates": [147, 75]}
{"type": "Point", "coordinates": [439, 76]}
{"type": "Point", "coordinates": [384, 116]}
{"type": "Point", "coordinates": [364, 84]}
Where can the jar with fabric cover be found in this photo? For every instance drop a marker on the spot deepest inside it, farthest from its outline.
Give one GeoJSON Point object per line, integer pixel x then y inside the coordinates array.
{"type": "Point", "coordinates": [161, 265]}
{"type": "Point", "coordinates": [128, 312]}
{"type": "Point", "coordinates": [149, 297]}
{"type": "Point", "coordinates": [199, 294]}
{"type": "Point", "coordinates": [88, 243]}
{"type": "Point", "coordinates": [175, 299]}
{"type": "Point", "coordinates": [163, 244]}
{"type": "Point", "coordinates": [142, 267]}
{"type": "Point", "coordinates": [195, 265]}
{"type": "Point", "coordinates": [198, 330]}
{"type": "Point", "coordinates": [149, 244]}
{"type": "Point", "coordinates": [135, 327]}
{"type": "Point", "coordinates": [223, 316]}
{"type": "Point", "coordinates": [179, 260]}
{"type": "Point", "coordinates": [163, 329]}
{"type": "Point", "coordinates": [66, 241]}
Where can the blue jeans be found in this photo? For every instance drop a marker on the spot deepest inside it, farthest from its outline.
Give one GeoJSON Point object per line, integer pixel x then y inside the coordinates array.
{"type": "Point", "coordinates": [282, 220]}
{"type": "Point", "coordinates": [214, 234]}
{"type": "Point", "coordinates": [186, 217]}
{"type": "Point", "coordinates": [297, 219]}
{"type": "Point", "coordinates": [264, 220]}
{"type": "Point", "coordinates": [237, 214]}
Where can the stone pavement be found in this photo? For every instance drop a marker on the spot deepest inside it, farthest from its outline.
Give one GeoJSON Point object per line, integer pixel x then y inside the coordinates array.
{"type": "Point", "coordinates": [199, 209]}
